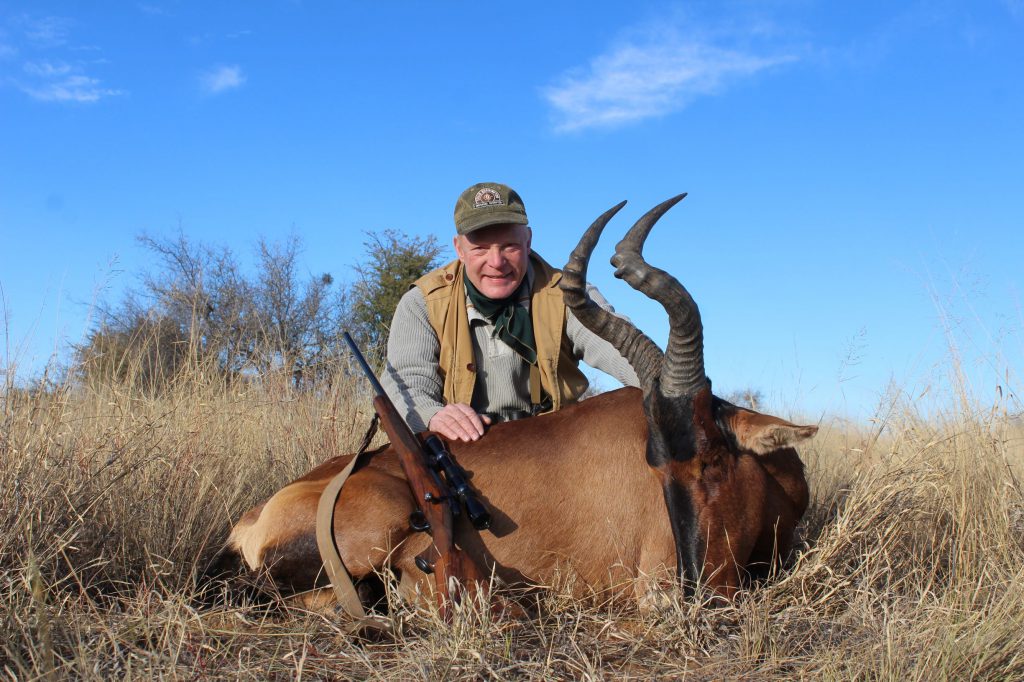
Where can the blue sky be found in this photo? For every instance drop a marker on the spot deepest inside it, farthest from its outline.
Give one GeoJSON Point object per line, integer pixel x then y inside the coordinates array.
{"type": "Point", "coordinates": [855, 170]}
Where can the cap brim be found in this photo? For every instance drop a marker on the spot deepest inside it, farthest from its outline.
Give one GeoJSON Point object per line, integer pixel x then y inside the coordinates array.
{"type": "Point", "coordinates": [493, 218]}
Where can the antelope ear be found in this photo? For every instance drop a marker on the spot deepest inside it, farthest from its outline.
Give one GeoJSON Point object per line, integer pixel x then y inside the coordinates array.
{"type": "Point", "coordinates": [762, 433]}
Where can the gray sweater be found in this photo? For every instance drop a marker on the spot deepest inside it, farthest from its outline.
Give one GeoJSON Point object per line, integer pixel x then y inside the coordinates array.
{"type": "Point", "coordinates": [412, 380]}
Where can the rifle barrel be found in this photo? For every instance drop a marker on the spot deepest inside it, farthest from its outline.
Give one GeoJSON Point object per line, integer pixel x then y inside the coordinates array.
{"type": "Point", "coordinates": [377, 388]}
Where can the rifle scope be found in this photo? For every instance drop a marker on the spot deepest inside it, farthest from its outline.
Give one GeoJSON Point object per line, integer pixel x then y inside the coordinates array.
{"type": "Point", "coordinates": [441, 460]}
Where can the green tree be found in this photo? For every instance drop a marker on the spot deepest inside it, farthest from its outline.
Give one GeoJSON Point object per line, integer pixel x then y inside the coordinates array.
{"type": "Point", "coordinates": [394, 261]}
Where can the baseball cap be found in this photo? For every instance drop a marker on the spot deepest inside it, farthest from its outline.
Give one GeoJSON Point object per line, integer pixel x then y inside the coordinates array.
{"type": "Point", "coordinates": [488, 203]}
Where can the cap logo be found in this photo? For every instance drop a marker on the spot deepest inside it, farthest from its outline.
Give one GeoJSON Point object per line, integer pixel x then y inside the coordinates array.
{"type": "Point", "coordinates": [487, 197]}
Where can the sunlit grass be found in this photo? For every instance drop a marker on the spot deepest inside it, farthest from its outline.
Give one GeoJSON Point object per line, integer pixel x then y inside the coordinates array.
{"type": "Point", "coordinates": [112, 502]}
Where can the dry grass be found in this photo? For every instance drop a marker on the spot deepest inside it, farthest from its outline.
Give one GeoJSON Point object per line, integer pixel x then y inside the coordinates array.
{"type": "Point", "coordinates": [111, 502]}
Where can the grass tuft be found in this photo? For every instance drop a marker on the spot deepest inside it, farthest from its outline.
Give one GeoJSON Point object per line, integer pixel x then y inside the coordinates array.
{"type": "Point", "coordinates": [113, 501]}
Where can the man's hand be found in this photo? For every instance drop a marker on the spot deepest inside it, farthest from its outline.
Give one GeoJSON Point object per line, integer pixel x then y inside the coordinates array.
{"type": "Point", "coordinates": [459, 422]}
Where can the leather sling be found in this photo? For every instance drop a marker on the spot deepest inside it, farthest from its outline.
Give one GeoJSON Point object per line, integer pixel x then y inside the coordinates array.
{"type": "Point", "coordinates": [341, 581]}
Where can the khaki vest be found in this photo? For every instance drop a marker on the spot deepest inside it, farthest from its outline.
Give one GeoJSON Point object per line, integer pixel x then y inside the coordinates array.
{"type": "Point", "coordinates": [445, 294]}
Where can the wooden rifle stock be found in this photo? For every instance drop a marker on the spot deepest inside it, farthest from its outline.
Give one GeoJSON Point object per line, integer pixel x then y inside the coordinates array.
{"type": "Point", "coordinates": [435, 501]}
{"type": "Point", "coordinates": [432, 496]}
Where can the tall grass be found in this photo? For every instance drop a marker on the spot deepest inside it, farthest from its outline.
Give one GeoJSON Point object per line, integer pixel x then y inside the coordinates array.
{"type": "Point", "coordinates": [112, 500]}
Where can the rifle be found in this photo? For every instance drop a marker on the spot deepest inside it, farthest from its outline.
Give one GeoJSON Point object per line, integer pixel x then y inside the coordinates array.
{"type": "Point", "coordinates": [437, 503]}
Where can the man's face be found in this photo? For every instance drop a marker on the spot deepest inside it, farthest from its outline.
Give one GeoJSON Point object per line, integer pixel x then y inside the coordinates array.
{"type": "Point", "coordinates": [495, 258]}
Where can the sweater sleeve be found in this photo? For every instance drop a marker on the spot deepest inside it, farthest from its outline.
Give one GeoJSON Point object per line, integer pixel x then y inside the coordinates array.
{"type": "Point", "coordinates": [594, 350]}
{"type": "Point", "coordinates": [411, 377]}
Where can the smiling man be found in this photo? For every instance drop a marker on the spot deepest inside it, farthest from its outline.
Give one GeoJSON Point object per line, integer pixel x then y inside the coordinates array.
{"type": "Point", "coordinates": [487, 337]}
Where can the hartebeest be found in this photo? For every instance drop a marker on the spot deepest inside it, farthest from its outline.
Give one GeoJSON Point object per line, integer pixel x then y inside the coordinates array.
{"type": "Point", "coordinates": [625, 485]}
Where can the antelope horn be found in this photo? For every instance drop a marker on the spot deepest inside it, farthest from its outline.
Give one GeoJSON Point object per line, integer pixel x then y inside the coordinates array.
{"type": "Point", "coordinates": [642, 354]}
{"type": "Point", "coordinates": [682, 371]}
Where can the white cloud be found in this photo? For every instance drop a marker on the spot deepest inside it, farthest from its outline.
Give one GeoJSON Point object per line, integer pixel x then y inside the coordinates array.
{"type": "Point", "coordinates": [44, 32]}
{"type": "Point", "coordinates": [155, 10]}
{"type": "Point", "coordinates": [222, 78]}
{"type": "Point", "coordinates": [47, 77]}
{"type": "Point", "coordinates": [47, 69]}
{"type": "Point", "coordinates": [57, 81]}
{"type": "Point", "coordinates": [72, 88]}
{"type": "Point", "coordinates": [636, 81]}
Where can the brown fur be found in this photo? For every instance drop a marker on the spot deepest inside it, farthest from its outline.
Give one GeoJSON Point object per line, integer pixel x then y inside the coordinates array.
{"type": "Point", "coordinates": [568, 490]}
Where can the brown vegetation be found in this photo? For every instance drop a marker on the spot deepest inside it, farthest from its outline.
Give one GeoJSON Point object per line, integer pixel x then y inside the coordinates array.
{"type": "Point", "coordinates": [112, 500]}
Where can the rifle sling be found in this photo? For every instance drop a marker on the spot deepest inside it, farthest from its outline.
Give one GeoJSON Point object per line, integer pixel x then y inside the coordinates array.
{"type": "Point", "coordinates": [341, 581]}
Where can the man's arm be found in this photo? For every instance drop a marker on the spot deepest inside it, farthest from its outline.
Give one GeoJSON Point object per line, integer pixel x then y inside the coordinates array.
{"type": "Point", "coordinates": [412, 378]}
{"type": "Point", "coordinates": [594, 350]}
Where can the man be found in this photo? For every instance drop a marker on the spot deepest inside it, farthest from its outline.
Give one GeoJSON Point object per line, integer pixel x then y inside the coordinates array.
{"type": "Point", "coordinates": [487, 337]}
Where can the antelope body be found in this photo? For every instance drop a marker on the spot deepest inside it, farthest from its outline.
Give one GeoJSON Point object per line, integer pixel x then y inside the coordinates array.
{"type": "Point", "coordinates": [629, 484]}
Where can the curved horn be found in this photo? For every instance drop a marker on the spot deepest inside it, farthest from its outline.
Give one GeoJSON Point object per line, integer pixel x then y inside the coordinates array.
{"type": "Point", "coordinates": [682, 372]}
{"type": "Point", "coordinates": [642, 354]}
